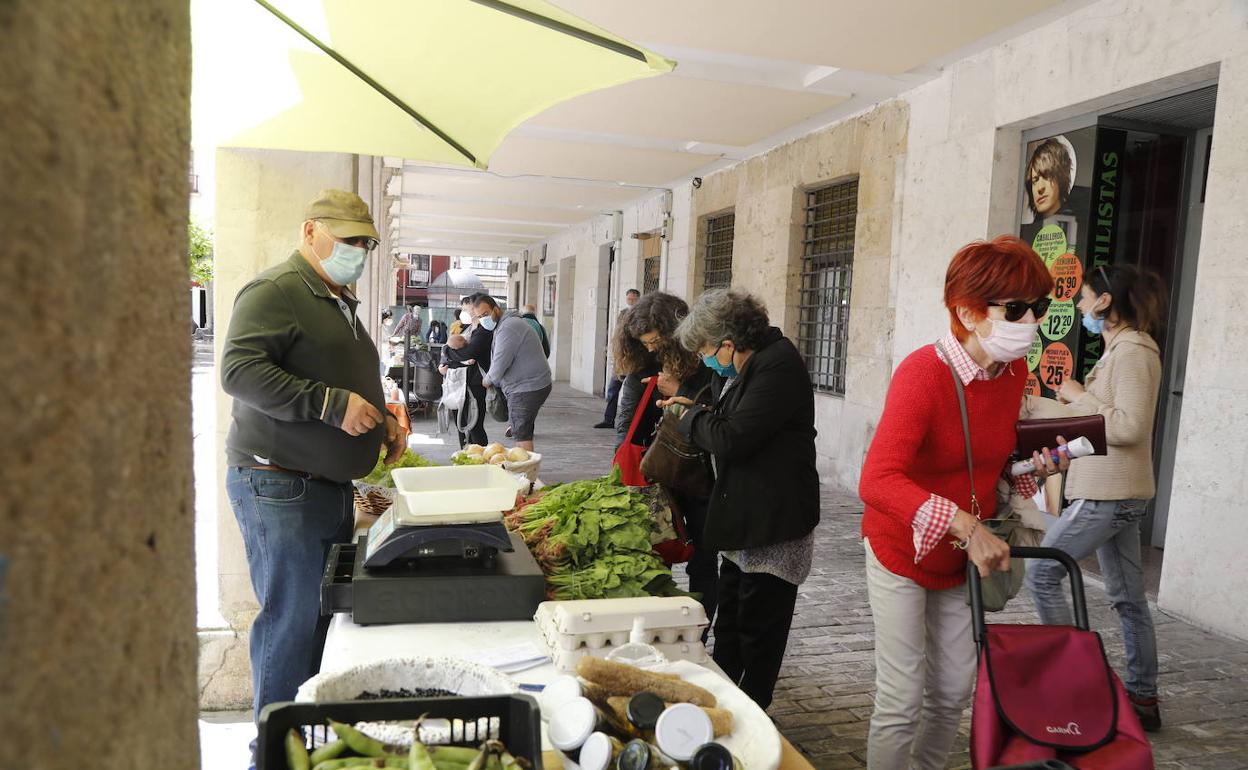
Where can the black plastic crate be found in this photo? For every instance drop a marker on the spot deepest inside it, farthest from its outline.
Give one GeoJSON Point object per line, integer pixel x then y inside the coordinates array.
{"type": "Point", "coordinates": [512, 719]}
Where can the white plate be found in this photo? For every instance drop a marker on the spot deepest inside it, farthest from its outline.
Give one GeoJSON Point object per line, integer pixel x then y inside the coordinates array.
{"type": "Point", "coordinates": [754, 739]}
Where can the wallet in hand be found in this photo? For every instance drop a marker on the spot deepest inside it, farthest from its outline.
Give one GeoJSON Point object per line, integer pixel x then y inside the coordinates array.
{"type": "Point", "coordinates": [1034, 435]}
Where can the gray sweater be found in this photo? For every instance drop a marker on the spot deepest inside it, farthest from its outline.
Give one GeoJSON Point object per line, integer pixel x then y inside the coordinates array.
{"type": "Point", "coordinates": [517, 363]}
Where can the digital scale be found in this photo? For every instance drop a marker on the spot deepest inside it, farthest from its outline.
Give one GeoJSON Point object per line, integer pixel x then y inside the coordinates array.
{"type": "Point", "coordinates": [428, 560]}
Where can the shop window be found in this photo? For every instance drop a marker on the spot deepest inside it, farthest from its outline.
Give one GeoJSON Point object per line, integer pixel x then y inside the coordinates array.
{"type": "Point", "coordinates": [418, 270]}
{"type": "Point", "coordinates": [827, 275]}
{"type": "Point", "coordinates": [717, 261]}
{"type": "Point", "coordinates": [651, 261]}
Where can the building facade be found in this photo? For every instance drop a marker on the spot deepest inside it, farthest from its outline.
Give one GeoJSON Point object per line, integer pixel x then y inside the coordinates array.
{"type": "Point", "coordinates": [846, 233]}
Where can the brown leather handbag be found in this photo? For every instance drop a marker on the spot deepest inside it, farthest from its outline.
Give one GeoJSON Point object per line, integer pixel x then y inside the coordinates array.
{"type": "Point", "coordinates": [674, 461]}
{"type": "Point", "coordinates": [1034, 435]}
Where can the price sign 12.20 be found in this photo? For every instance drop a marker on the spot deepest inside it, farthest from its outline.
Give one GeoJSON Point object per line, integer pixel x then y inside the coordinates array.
{"type": "Point", "coordinates": [1059, 320]}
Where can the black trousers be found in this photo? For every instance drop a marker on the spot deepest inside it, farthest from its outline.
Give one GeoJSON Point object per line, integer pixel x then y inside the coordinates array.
{"type": "Point", "coordinates": [703, 567]}
{"type": "Point", "coordinates": [613, 400]}
{"type": "Point", "coordinates": [752, 628]}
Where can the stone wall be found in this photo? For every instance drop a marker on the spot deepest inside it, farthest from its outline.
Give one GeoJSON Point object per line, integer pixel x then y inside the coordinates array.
{"type": "Point", "coordinates": [97, 594]}
{"type": "Point", "coordinates": [261, 197]}
{"type": "Point", "coordinates": [962, 183]}
{"type": "Point", "coordinates": [767, 194]}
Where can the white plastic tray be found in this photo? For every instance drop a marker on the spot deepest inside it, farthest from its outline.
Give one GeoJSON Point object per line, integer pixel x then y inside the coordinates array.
{"type": "Point", "coordinates": [457, 489]}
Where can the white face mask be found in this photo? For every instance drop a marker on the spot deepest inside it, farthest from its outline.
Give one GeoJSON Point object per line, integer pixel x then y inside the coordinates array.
{"type": "Point", "coordinates": [465, 318]}
{"type": "Point", "coordinates": [1008, 341]}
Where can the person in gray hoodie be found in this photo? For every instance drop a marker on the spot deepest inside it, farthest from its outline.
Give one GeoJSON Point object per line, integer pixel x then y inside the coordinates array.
{"type": "Point", "coordinates": [518, 366]}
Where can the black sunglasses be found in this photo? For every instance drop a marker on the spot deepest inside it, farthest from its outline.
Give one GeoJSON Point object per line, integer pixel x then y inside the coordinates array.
{"type": "Point", "coordinates": [1016, 309]}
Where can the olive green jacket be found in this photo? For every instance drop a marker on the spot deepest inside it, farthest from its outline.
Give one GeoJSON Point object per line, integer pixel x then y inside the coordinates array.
{"type": "Point", "coordinates": [291, 360]}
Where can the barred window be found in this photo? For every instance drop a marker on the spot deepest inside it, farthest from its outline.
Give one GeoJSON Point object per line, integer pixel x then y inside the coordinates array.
{"type": "Point", "coordinates": [827, 272]}
{"type": "Point", "coordinates": [650, 274]}
{"type": "Point", "coordinates": [717, 264]}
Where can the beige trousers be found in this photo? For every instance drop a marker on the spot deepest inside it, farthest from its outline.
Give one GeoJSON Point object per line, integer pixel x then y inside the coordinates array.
{"type": "Point", "coordinates": [924, 670]}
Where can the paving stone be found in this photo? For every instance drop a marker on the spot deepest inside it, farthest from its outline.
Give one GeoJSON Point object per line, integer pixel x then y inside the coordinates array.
{"type": "Point", "coordinates": [824, 695]}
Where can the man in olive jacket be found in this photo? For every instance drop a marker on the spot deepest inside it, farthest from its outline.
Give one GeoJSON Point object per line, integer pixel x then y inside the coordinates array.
{"type": "Point", "coordinates": [307, 419]}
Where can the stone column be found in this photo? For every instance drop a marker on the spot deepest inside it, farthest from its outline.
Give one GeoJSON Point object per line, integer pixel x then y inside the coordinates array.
{"type": "Point", "coordinates": [261, 196]}
{"type": "Point", "coordinates": [97, 586]}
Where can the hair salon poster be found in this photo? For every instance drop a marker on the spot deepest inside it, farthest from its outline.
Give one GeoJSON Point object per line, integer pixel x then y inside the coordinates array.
{"type": "Point", "coordinates": [1057, 189]}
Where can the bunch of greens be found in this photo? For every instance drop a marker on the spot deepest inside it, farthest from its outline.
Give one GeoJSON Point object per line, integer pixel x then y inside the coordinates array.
{"type": "Point", "coordinates": [463, 458]}
{"type": "Point", "coordinates": [379, 476]}
{"type": "Point", "coordinates": [592, 539]}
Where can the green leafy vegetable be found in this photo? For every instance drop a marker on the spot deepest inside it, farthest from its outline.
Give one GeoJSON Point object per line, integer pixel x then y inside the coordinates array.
{"type": "Point", "coordinates": [379, 476]}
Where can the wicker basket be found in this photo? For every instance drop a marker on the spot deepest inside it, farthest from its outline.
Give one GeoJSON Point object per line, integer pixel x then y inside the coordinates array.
{"type": "Point", "coordinates": [372, 499]}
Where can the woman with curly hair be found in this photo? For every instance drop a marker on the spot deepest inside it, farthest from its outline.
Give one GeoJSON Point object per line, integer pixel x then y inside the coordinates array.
{"type": "Point", "coordinates": [764, 506]}
{"type": "Point", "coordinates": [646, 346]}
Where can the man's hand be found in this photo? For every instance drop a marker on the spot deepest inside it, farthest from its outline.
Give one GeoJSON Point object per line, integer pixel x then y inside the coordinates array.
{"type": "Point", "coordinates": [396, 439]}
{"type": "Point", "coordinates": [485, 382]}
{"type": "Point", "coordinates": [361, 416]}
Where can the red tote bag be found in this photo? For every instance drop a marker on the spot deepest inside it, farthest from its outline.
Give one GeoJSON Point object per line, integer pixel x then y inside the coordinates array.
{"type": "Point", "coordinates": [629, 455]}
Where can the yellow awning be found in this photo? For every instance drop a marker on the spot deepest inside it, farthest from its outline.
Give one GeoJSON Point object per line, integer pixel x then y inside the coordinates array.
{"type": "Point", "coordinates": [471, 69]}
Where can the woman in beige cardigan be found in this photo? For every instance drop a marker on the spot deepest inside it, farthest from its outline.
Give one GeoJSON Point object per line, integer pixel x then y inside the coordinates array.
{"type": "Point", "coordinates": [1109, 493]}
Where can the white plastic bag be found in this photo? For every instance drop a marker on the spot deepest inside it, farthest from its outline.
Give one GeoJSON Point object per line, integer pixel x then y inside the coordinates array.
{"type": "Point", "coordinates": [454, 386]}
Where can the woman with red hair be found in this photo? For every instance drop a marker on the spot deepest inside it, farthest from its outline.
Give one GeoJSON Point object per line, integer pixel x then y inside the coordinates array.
{"type": "Point", "coordinates": [921, 522]}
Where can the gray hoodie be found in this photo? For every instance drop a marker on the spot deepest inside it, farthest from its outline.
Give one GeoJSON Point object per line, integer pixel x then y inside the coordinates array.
{"type": "Point", "coordinates": [517, 363]}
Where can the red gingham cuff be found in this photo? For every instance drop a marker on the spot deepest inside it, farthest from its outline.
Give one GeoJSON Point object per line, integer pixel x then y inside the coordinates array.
{"type": "Point", "coordinates": [1025, 485]}
{"type": "Point", "coordinates": [931, 523]}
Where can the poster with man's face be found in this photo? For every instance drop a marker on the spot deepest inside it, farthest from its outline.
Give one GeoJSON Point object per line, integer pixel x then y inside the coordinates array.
{"type": "Point", "coordinates": [1054, 208]}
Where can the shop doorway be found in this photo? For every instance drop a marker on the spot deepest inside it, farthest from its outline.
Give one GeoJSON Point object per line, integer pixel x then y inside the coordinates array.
{"type": "Point", "coordinates": [1129, 190]}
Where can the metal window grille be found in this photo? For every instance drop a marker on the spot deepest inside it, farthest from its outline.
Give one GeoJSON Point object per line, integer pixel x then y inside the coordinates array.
{"type": "Point", "coordinates": [717, 263]}
{"type": "Point", "coordinates": [650, 274]}
{"type": "Point", "coordinates": [827, 273]}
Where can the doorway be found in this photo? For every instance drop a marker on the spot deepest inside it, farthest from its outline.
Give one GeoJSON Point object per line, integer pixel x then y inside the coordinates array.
{"type": "Point", "coordinates": [1134, 194]}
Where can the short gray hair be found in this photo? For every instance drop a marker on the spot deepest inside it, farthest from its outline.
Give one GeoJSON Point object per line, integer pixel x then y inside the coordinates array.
{"type": "Point", "coordinates": [724, 314]}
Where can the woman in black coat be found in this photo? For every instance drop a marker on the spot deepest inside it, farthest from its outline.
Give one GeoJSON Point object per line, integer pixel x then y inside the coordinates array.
{"type": "Point", "coordinates": [765, 502]}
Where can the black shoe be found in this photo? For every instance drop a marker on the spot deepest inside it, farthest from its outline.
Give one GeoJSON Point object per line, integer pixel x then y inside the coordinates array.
{"type": "Point", "coordinates": [1148, 710]}
{"type": "Point", "coordinates": [604, 424]}
{"type": "Point", "coordinates": [507, 433]}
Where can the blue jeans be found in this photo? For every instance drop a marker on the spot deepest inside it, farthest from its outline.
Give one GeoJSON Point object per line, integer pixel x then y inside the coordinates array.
{"type": "Point", "coordinates": [1111, 529]}
{"type": "Point", "coordinates": [288, 524]}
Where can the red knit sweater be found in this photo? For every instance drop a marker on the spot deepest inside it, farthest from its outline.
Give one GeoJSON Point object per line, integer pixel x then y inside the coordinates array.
{"type": "Point", "coordinates": [918, 450]}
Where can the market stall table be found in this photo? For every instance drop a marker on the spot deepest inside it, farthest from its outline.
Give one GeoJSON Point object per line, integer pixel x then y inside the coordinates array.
{"type": "Point", "coordinates": [349, 644]}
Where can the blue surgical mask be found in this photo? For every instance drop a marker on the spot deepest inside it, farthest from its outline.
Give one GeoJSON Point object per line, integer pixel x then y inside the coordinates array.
{"type": "Point", "coordinates": [345, 264]}
{"type": "Point", "coordinates": [488, 323]}
{"type": "Point", "coordinates": [723, 370]}
{"type": "Point", "coordinates": [1093, 324]}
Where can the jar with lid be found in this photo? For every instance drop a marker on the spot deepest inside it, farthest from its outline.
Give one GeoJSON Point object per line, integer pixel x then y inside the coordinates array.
{"type": "Point", "coordinates": [714, 756]}
{"type": "Point", "coordinates": [682, 729]}
{"type": "Point", "coordinates": [600, 752]}
{"type": "Point", "coordinates": [640, 755]}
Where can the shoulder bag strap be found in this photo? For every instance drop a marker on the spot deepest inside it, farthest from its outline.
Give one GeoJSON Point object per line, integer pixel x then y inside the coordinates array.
{"type": "Point", "coordinates": [640, 408]}
{"type": "Point", "coordinates": [966, 426]}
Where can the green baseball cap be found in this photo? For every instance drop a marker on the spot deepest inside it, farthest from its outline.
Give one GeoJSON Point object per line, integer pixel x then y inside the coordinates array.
{"type": "Point", "coordinates": [344, 213]}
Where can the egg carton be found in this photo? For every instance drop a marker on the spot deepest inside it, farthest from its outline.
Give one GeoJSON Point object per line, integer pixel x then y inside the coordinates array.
{"type": "Point", "coordinates": [573, 629]}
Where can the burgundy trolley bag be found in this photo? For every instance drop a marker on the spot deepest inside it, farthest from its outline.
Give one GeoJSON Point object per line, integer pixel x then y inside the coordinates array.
{"type": "Point", "coordinates": [1048, 693]}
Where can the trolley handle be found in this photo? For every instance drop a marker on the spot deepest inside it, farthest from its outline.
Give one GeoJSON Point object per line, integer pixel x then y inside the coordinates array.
{"type": "Point", "coordinates": [1028, 552]}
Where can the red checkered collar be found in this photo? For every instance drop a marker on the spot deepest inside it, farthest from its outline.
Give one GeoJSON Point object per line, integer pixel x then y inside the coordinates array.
{"type": "Point", "coordinates": [967, 368]}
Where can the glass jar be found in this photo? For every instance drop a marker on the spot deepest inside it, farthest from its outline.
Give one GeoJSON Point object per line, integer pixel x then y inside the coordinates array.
{"type": "Point", "coordinates": [599, 752]}
{"type": "Point", "coordinates": [682, 729]}
{"type": "Point", "coordinates": [713, 756]}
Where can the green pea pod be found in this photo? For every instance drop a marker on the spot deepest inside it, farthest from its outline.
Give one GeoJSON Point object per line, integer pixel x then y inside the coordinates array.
{"type": "Point", "coordinates": [350, 762]}
{"type": "Point", "coordinates": [461, 755]}
{"type": "Point", "coordinates": [478, 763]}
{"type": "Point", "coordinates": [296, 752]}
{"type": "Point", "coordinates": [328, 751]}
{"type": "Point", "coordinates": [418, 757]}
{"type": "Point", "coordinates": [443, 764]}
{"type": "Point", "coordinates": [358, 741]}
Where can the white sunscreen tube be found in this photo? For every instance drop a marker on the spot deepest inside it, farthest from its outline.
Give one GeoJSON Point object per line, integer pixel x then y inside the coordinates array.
{"type": "Point", "coordinates": [1080, 447]}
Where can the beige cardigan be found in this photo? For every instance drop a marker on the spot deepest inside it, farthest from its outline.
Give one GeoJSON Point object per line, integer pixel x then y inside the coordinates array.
{"type": "Point", "coordinates": [1123, 386]}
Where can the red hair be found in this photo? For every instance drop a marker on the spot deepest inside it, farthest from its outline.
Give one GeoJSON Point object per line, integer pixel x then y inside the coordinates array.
{"type": "Point", "coordinates": [1003, 268]}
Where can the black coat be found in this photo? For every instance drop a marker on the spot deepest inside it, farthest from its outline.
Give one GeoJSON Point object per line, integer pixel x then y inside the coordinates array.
{"type": "Point", "coordinates": [762, 434]}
